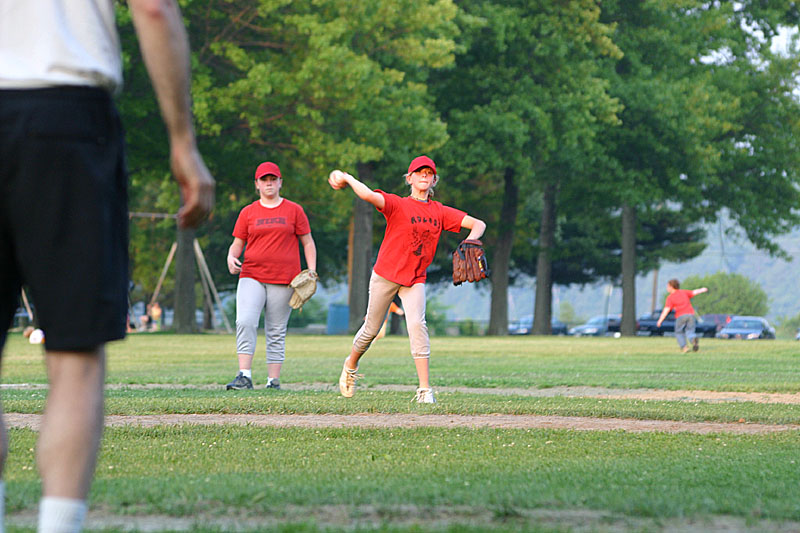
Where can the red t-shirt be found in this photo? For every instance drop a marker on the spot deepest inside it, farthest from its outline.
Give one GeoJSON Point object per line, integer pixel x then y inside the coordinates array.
{"type": "Point", "coordinates": [412, 234]}
{"type": "Point", "coordinates": [272, 254]}
{"type": "Point", "coordinates": [679, 300]}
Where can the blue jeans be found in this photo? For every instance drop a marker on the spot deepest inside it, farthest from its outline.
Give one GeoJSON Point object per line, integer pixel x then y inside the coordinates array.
{"type": "Point", "coordinates": [684, 329]}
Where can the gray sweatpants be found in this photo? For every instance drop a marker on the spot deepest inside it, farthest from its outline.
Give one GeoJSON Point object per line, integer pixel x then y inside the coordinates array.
{"type": "Point", "coordinates": [381, 293]}
{"type": "Point", "coordinates": [685, 329]}
{"type": "Point", "coordinates": [251, 298]}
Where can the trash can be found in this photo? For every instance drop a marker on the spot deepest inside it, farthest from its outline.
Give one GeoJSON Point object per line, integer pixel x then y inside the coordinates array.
{"type": "Point", "coordinates": [338, 319]}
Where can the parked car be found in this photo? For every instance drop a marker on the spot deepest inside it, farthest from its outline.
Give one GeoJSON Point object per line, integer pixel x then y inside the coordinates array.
{"type": "Point", "coordinates": [647, 325]}
{"type": "Point", "coordinates": [524, 326]}
{"type": "Point", "coordinates": [747, 328]}
{"type": "Point", "coordinates": [719, 319]}
{"type": "Point", "coordinates": [797, 337]}
{"type": "Point", "coordinates": [598, 326]}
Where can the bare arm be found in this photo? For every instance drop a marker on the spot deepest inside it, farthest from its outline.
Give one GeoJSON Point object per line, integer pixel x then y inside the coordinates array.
{"type": "Point", "coordinates": [165, 48]}
{"type": "Point", "coordinates": [309, 250]}
{"type": "Point", "coordinates": [364, 192]}
{"type": "Point", "coordinates": [701, 290]}
{"type": "Point", "coordinates": [234, 252]}
{"type": "Point", "coordinates": [475, 225]}
{"type": "Point", "coordinates": [664, 314]}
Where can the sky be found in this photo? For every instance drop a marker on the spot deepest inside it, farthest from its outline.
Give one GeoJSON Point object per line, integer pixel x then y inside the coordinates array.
{"type": "Point", "coordinates": [780, 43]}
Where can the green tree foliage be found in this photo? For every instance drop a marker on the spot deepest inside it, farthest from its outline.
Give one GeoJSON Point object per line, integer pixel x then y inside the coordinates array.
{"type": "Point", "coordinates": [697, 83]}
{"type": "Point", "coordinates": [315, 86]}
{"type": "Point", "coordinates": [758, 182]}
{"type": "Point", "coordinates": [544, 115]}
{"type": "Point", "coordinates": [152, 189]}
{"type": "Point", "coordinates": [587, 245]}
{"type": "Point", "coordinates": [311, 86]}
{"type": "Point", "coordinates": [732, 294]}
{"type": "Point", "coordinates": [788, 327]}
{"type": "Point", "coordinates": [313, 312]}
{"type": "Point", "coordinates": [567, 315]}
{"type": "Point", "coordinates": [523, 105]}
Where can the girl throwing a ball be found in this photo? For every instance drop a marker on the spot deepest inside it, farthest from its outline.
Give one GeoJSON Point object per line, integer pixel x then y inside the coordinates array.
{"type": "Point", "coordinates": [413, 226]}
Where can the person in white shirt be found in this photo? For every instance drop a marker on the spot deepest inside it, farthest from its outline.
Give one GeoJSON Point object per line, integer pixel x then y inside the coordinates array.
{"type": "Point", "coordinates": [63, 207]}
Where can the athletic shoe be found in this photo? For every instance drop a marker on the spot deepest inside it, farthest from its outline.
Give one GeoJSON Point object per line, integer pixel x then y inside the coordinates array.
{"type": "Point", "coordinates": [347, 381]}
{"type": "Point", "coordinates": [273, 383]}
{"type": "Point", "coordinates": [695, 344]}
{"type": "Point", "coordinates": [425, 396]}
{"type": "Point", "coordinates": [240, 382]}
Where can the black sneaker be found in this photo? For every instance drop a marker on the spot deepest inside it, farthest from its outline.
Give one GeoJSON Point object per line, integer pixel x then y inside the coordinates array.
{"type": "Point", "coordinates": [240, 382]}
{"type": "Point", "coordinates": [695, 344]}
{"type": "Point", "coordinates": [273, 383]}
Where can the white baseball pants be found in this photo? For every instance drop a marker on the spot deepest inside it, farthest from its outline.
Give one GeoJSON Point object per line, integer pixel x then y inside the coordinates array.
{"type": "Point", "coordinates": [251, 298]}
{"type": "Point", "coordinates": [381, 293]}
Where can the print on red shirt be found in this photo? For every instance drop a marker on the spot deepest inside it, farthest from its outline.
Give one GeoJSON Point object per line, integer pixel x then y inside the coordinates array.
{"type": "Point", "coordinates": [412, 234]}
{"type": "Point", "coordinates": [272, 251]}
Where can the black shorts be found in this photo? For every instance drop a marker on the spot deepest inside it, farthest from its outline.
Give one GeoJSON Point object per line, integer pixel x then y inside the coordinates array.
{"type": "Point", "coordinates": [64, 214]}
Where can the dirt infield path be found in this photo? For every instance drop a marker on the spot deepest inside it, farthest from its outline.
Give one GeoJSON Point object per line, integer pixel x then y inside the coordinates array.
{"type": "Point", "coordinates": [502, 421]}
{"type": "Point", "coordinates": [622, 394]}
{"type": "Point", "coordinates": [571, 392]}
{"type": "Point", "coordinates": [371, 420]}
{"type": "Point", "coordinates": [350, 518]}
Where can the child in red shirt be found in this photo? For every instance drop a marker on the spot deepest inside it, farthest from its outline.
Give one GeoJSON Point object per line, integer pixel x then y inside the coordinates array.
{"type": "Point", "coordinates": [413, 226]}
{"type": "Point", "coordinates": [685, 323]}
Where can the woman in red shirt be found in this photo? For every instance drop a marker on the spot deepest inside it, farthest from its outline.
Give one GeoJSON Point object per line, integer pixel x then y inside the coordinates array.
{"type": "Point", "coordinates": [271, 227]}
{"type": "Point", "coordinates": [413, 226]}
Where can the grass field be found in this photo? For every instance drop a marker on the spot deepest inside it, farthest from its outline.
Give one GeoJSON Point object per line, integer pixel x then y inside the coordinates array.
{"type": "Point", "coordinates": [411, 477]}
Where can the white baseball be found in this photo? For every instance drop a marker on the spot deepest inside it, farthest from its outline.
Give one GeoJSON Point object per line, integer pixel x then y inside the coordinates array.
{"type": "Point", "coordinates": [37, 337]}
{"type": "Point", "coordinates": [336, 179]}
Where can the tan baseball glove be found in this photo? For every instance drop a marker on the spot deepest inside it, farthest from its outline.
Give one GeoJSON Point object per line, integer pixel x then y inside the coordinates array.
{"type": "Point", "coordinates": [304, 285]}
{"type": "Point", "coordinates": [469, 262]}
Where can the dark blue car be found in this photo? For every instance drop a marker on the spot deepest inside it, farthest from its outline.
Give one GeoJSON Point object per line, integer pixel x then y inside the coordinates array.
{"type": "Point", "coordinates": [747, 328]}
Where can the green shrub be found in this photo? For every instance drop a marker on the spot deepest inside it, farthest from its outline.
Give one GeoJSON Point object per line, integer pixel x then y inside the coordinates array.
{"type": "Point", "coordinates": [728, 293]}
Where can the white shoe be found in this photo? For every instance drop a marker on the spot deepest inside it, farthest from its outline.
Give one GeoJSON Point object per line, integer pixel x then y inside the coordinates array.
{"type": "Point", "coordinates": [347, 381]}
{"type": "Point", "coordinates": [425, 396]}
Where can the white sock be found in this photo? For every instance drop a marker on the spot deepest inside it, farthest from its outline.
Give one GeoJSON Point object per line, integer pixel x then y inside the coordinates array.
{"type": "Point", "coordinates": [61, 515]}
{"type": "Point", "coordinates": [246, 373]}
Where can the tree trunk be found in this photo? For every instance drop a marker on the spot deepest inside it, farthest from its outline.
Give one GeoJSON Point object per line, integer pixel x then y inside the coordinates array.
{"type": "Point", "coordinates": [628, 326]}
{"type": "Point", "coordinates": [498, 315]}
{"type": "Point", "coordinates": [654, 300]}
{"type": "Point", "coordinates": [542, 310]}
{"type": "Point", "coordinates": [359, 254]}
{"type": "Point", "coordinates": [184, 321]}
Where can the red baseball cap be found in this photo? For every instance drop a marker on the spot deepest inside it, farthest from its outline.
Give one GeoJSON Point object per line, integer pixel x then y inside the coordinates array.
{"type": "Point", "coordinates": [266, 168]}
{"type": "Point", "coordinates": [421, 161]}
